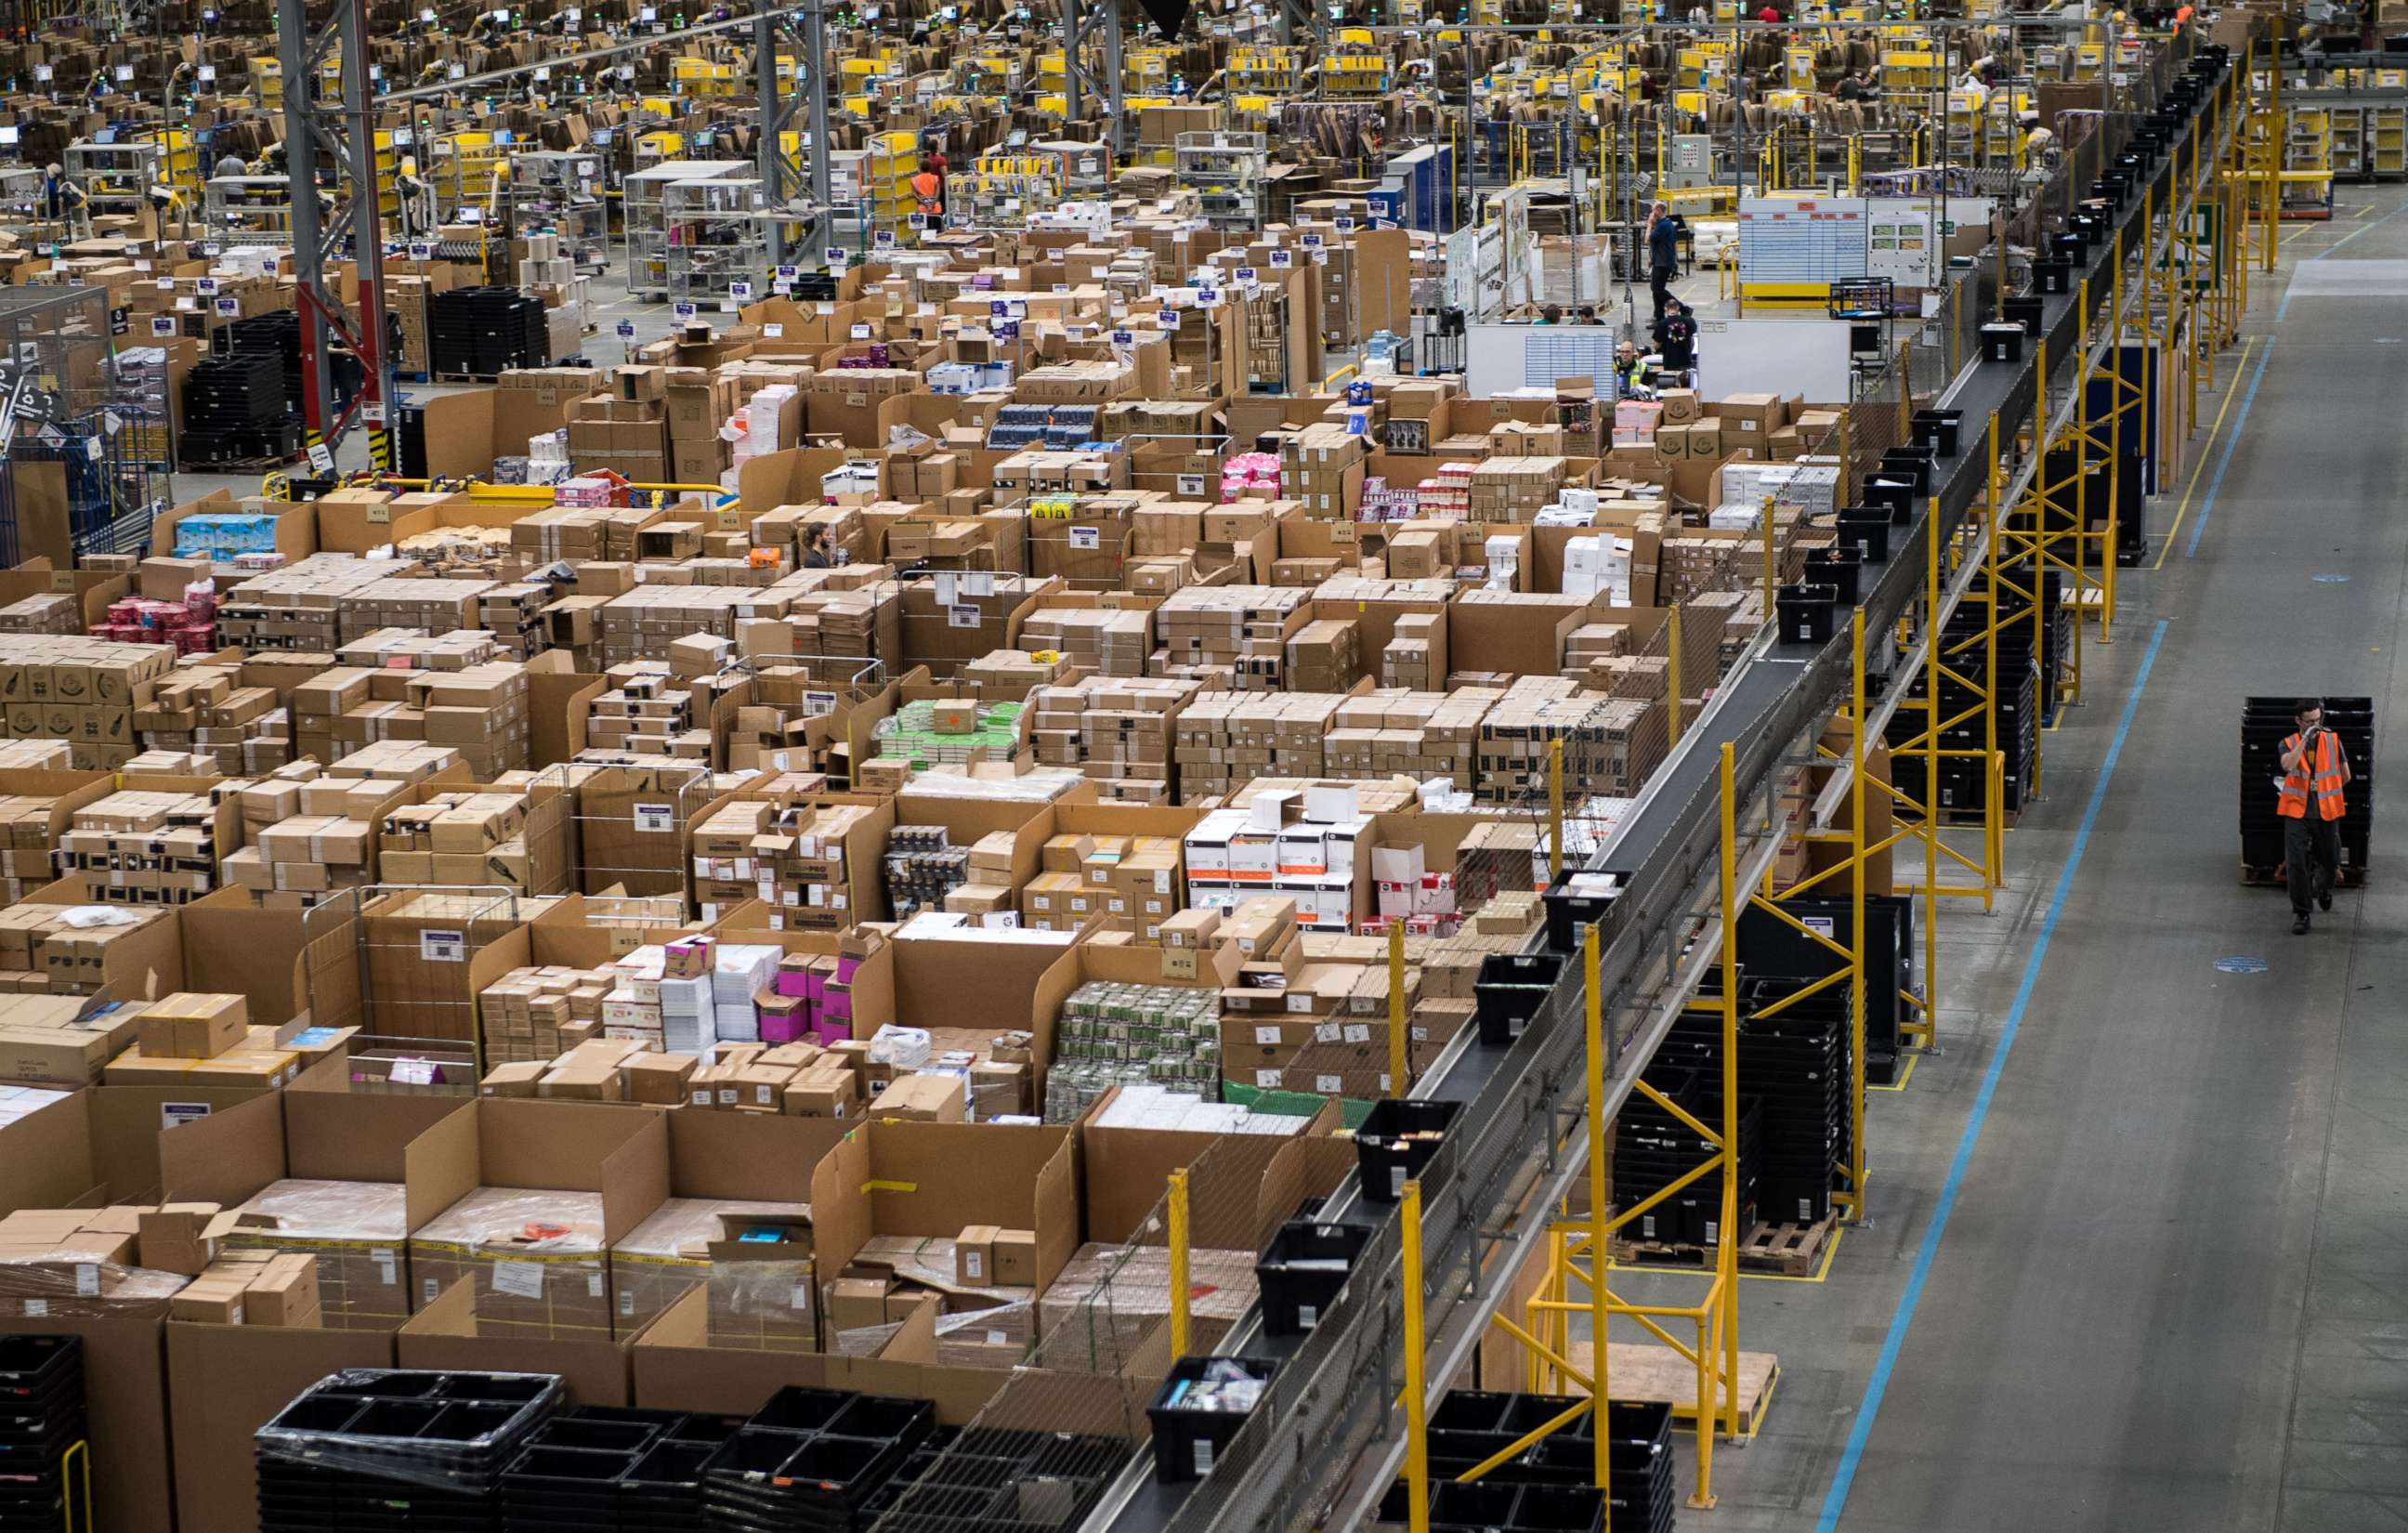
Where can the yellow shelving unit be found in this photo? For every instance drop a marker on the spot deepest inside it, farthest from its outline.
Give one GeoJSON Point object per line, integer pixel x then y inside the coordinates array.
{"type": "Point", "coordinates": [1264, 71]}
{"type": "Point", "coordinates": [2386, 140]}
{"type": "Point", "coordinates": [2307, 163]}
{"type": "Point", "coordinates": [1910, 70]}
{"type": "Point", "coordinates": [894, 160]}
{"type": "Point", "coordinates": [463, 164]}
{"type": "Point", "coordinates": [702, 78]}
{"type": "Point", "coordinates": [1355, 75]}
{"type": "Point", "coordinates": [183, 162]}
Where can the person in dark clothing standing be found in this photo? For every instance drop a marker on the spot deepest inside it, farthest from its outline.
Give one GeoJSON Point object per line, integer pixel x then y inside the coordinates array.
{"type": "Point", "coordinates": [1663, 255]}
{"type": "Point", "coordinates": [1676, 338]}
{"type": "Point", "coordinates": [815, 551]}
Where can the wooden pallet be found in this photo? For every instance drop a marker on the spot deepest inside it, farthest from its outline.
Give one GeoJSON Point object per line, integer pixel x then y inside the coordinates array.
{"type": "Point", "coordinates": [237, 465]}
{"type": "Point", "coordinates": [2270, 875]}
{"type": "Point", "coordinates": [1973, 818]}
{"type": "Point", "coordinates": [1790, 1250]}
{"type": "Point", "coordinates": [1642, 1371]}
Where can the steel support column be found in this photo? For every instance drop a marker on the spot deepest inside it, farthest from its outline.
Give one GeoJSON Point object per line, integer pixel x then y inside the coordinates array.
{"type": "Point", "coordinates": [781, 102]}
{"type": "Point", "coordinates": [1094, 23]}
{"type": "Point", "coordinates": [340, 142]}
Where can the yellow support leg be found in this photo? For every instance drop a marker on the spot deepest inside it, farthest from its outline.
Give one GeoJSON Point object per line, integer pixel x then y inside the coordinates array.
{"type": "Point", "coordinates": [1417, 1490]}
{"type": "Point", "coordinates": [1179, 1283]}
{"type": "Point", "coordinates": [1598, 1329]}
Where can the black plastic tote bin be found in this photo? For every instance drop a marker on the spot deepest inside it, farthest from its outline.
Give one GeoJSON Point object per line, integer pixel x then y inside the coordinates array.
{"type": "Point", "coordinates": [1508, 991]}
{"type": "Point", "coordinates": [1299, 1282]}
{"type": "Point", "coordinates": [1187, 1442]}
{"type": "Point", "coordinates": [1397, 1141]}
{"type": "Point", "coordinates": [1574, 902]}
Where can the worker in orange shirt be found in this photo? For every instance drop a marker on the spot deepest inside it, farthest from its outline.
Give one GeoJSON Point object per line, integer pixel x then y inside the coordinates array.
{"type": "Point", "coordinates": [2182, 15]}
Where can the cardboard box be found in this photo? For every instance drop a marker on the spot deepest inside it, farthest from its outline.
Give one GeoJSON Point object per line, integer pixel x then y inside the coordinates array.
{"type": "Point", "coordinates": [925, 1097]}
{"type": "Point", "coordinates": [1015, 1258]}
{"type": "Point", "coordinates": [974, 1256]}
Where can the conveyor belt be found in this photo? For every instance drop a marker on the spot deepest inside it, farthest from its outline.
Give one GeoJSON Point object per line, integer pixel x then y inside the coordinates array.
{"type": "Point", "coordinates": [1666, 848]}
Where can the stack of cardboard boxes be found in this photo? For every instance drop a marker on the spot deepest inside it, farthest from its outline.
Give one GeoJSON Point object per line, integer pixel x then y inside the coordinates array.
{"type": "Point", "coordinates": [1419, 734]}
{"type": "Point", "coordinates": [311, 856]}
{"type": "Point", "coordinates": [1208, 629]}
{"type": "Point", "coordinates": [1323, 656]}
{"type": "Point", "coordinates": [299, 607]}
{"type": "Point", "coordinates": [1110, 641]}
{"type": "Point", "coordinates": [1610, 744]}
{"type": "Point", "coordinates": [1322, 466]}
{"type": "Point", "coordinates": [1414, 657]}
{"type": "Point", "coordinates": [1514, 488]}
{"type": "Point", "coordinates": [534, 1013]}
{"type": "Point", "coordinates": [646, 713]}
{"type": "Point", "coordinates": [1224, 739]}
{"type": "Point", "coordinates": [205, 1040]}
{"type": "Point", "coordinates": [1297, 849]}
{"type": "Point", "coordinates": [1119, 732]}
{"type": "Point", "coordinates": [459, 837]}
{"type": "Point", "coordinates": [800, 868]}
{"type": "Point", "coordinates": [625, 431]}
{"type": "Point", "coordinates": [84, 690]}
{"type": "Point", "coordinates": [1130, 884]}
{"type": "Point", "coordinates": [698, 403]}
{"type": "Point", "coordinates": [205, 712]}
{"type": "Point", "coordinates": [252, 1288]}
{"type": "Point", "coordinates": [61, 1040]}
{"type": "Point", "coordinates": [144, 848]}
{"type": "Point", "coordinates": [423, 604]}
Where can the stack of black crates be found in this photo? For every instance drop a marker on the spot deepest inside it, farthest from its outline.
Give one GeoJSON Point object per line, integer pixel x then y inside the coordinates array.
{"type": "Point", "coordinates": [1793, 1121]}
{"type": "Point", "coordinates": [1770, 945]}
{"type": "Point", "coordinates": [1552, 1487]}
{"type": "Point", "coordinates": [1794, 1069]}
{"type": "Point", "coordinates": [278, 337]}
{"type": "Point", "coordinates": [2266, 722]}
{"type": "Point", "coordinates": [41, 1420]}
{"type": "Point", "coordinates": [603, 1466]}
{"type": "Point", "coordinates": [234, 410]}
{"type": "Point", "coordinates": [1652, 1149]}
{"type": "Point", "coordinates": [812, 1460]}
{"type": "Point", "coordinates": [997, 1480]}
{"type": "Point", "coordinates": [398, 1448]}
{"type": "Point", "coordinates": [481, 331]}
{"type": "Point", "coordinates": [1792, 1093]}
{"type": "Point", "coordinates": [2026, 696]}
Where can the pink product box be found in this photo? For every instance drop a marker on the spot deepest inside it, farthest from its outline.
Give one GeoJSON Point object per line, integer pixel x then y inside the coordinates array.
{"type": "Point", "coordinates": [846, 969]}
{"type": "Point", "coordinates": [786, 1029]}
{"type": "Point", "coordinates": [797, 981]}
{"type": "Point", "coordinates": [837, 1003]}
{"type": "Point", "coordinates": [826, 1029]}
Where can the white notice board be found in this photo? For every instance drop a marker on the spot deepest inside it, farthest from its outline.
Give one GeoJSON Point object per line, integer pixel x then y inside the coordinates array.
{"type": "Point", "coordinates": [1800, 239]}
{"type": "Point", "coordinates": [1500, 358]}
{"type": "Point", "coordinates": [1791, 357]}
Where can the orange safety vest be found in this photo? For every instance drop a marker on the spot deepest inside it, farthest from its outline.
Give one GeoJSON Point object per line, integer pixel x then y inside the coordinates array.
{"type": "Point", "coordinates": [2320, 777]}
{"type": "Point", "coordinates": [925, 186]}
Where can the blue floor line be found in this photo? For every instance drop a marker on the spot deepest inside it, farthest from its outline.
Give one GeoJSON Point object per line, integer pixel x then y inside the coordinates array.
{"type": "Point", "coordinates": [2224, 460]}
{"type": "Point", "coordinates": [1836, 1499]}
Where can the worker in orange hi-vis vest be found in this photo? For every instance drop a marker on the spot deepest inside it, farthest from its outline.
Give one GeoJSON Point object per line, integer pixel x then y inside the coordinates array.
{"type": "Point", "coordinates": [929, 191]}
{"type": "Point", "coordinates": [2311, 802]}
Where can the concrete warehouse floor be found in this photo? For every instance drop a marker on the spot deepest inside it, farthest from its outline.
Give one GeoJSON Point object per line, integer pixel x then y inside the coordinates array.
{"type": "Point", "coordinates": [2135, 1255]}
